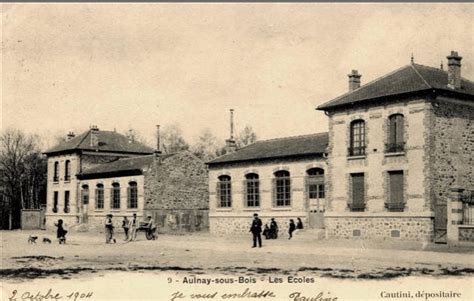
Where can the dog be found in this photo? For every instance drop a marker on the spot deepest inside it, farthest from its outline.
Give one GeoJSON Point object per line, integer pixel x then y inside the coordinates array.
{"type": "Point", "coordinates": [46, 240]}
{"type": "Point", "coordinates": [32, 239]}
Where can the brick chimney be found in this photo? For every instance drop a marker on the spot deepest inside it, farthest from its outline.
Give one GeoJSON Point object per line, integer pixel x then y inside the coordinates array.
{"type": "Point", "coordinates": [454, 70]}
{"type": "Point", "coordinates": [354, 80]}
{"type": "Point", "coordinates": [94, 133]}
{"type": "Point", "coordinates": [69, 136]}
{"type": "Point", "coordinates": [230, 144]}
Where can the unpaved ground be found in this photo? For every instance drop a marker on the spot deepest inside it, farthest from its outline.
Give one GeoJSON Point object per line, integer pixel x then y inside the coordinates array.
{"type": "Point", "coordinates": [204, 253]}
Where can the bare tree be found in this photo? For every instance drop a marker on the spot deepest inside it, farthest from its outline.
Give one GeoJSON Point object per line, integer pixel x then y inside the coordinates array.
{"type": "Point", "coordinates": [246, 136]}
{"type": "Point", "coordinates": [22, 174]}
{"type": "Point", "coordinates": [207, 147]}
{"type": "Point", "coordinates": [136, 136]}
{"type": "Point", "coordinates": [172, 140]}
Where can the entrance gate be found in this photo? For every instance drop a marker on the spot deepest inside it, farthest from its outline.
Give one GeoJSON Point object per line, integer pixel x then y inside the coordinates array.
{"type": "Point", "coordinates": [440, 224]}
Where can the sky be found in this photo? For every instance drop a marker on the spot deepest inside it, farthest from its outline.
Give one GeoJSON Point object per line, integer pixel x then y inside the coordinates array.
{"type": "Point", "coordinates": [119, 66]}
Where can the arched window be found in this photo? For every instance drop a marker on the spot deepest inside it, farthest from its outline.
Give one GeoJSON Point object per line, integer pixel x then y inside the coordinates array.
{"type": "Point", "coordinates": [115, 196]}
{"type": "Point", "coordinates": [395, 134]}
{"type": "Point", "coordinates": [85, 194]}
{"type": "Point", "coordinates": [357, 138]}
{"type": "Point", "coordinates": [252, 185]}
{"type": "Point", "coordinates": [56, 172]}
{"type": "Point", "coordinates": [224, 192]}
{"type": "Point", "coordinates": [132, 195]}
{"type": "Point", "coordinates": [67, 171]}
{"type": "Point", "coordinates": [99, 196]}
{"type": "Point", "coordinates": [282, 189]}
{"type": "Point", "coordinates": [315, 183]}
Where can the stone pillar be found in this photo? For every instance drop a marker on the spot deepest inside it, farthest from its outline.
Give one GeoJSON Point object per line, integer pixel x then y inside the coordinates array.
{"type": "Point", "coordinates": [454, 212]}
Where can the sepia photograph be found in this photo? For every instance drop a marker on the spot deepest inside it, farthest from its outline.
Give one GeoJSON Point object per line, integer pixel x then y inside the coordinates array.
{"type": "Point", "coordinates": [237, 151]}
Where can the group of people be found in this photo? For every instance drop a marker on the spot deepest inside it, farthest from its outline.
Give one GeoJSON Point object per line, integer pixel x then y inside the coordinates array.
{"type": "Point", "coordinates": [270, 232]}
{"type": "Point", "coordinates": [129, 227]}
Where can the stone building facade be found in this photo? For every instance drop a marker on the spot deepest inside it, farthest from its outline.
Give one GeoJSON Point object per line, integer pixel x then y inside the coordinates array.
{"type": "Point", "coordinates": [279, 178]}
{"type": "Point", "coordinates": [102, 172]}
{"type": "Point", "coordinates": [396, 147]}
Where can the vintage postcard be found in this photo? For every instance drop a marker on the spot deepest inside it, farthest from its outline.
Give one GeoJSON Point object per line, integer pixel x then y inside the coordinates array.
{"type": "Point", "coordinates": [237, 151]}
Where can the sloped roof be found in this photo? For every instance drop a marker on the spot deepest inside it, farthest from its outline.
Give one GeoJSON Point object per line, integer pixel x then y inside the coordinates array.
{"type": "Point", "coordinates": [314, 144]}
{"type": "Point", "coordinates": [408, 79]}
{"type": "Point", "coordinates": [109, 141]}
{"type": "Point", "coordinates": [138, 163]}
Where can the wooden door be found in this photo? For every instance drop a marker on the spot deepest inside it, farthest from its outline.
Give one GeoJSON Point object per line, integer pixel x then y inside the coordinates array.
{"type": "Point", "coordinates": [358, 191]}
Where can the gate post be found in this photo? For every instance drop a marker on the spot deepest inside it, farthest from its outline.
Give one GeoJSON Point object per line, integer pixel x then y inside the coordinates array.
{"type": "Point", "coordinates": [455, 213]}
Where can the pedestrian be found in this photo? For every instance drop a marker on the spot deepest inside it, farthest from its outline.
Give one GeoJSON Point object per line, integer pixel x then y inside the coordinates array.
{"type": "Point", "coordinates": [133, 228]}
{"type": "Point", "coordinates": [151, 227]}
{"type": "Point", "coordinates": [256, 229]}
{"type": "Point", "coordinates": [291, 228]}
{"type": "Point", "coordinates": [266, 232]}
{"type": "Point", "coordinates": [60, 233]}
{"type": "Point", "coordinates": [109, 229]}
{"type": "Point", "coordinates": [299, 224]}
{"type": "Point", "coordinates": [126, 227]}
{"type": "Point", "coordinates": [273, 229]}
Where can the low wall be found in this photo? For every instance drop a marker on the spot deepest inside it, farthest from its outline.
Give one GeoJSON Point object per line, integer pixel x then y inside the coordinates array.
{"type": "Point", "coordinates": [241, 225]}
{"type": "Point", "coordinates": [32, 219]}
{"type": "Point", "coordinates": [413, 228]}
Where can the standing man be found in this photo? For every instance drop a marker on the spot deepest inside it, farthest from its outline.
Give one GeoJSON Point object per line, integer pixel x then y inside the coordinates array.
{"type": "Point", "coordinates": [256, 230]}
{"type": "Point", "coordinates": [133, 228]}
{"type": "Point", "coordinates": [125, 226]}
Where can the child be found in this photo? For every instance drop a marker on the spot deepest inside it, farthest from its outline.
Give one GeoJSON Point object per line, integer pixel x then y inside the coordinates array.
{"type": "Point", "coordinates": [109, 229]}
{"type": "Point", "coordinates": [60, 233]}
{"type": "Point", "coordinates": [292, 228]}
{"type": "Point", "coordinates": [125, 226]}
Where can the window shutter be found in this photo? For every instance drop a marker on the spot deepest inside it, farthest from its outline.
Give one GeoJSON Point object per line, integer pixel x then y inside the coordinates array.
{"type": "Point", "coordinates": [274, 192]}
{"type": "Point", "coordinates": [244, 193]}
{"type": "Point", "coordinates": [399, 137]}
{"type": "Point", "coordinates": [111, 198]}
{"type": "Point", "coordinates": [291, 192]}
{"type": "Point", "coordinates": [218, 194]}
{"type": "Point", "coordinates": [129, 197]}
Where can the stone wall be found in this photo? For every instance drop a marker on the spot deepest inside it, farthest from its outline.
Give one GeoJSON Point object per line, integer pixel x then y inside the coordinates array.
{"type": "Point", "coordinates": [241, 224]}
{"type": "Point", "coordinates": [178, 182]}
{"type": "Point", "coordinates": [452, 162]}
{"type": "Point", "coordinates": [373, 227]}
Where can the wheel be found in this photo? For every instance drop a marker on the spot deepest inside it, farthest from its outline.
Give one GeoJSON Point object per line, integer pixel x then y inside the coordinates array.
{"type": "Point", "coordinates": [149, 235]}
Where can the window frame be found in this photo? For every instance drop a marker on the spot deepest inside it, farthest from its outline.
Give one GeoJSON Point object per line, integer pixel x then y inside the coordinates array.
{"type": "Point", "coordinates": [67, 200]}
{"type": "Point", "coordinates": [252, 190]}
{"type": "Point", "coordinates": [282, 188]}
{"type": "Point", "coordinates": [67, 170]}
{"type": "Point", "coordinates": [132, 195]}
{"type": "Point", "coordinates": [99, 196]}
{"type": "Point", "coordinates": [224, 191]}
{"type": "Point", "coordinates": [357, 137]}
{"type": "Point", "coordinates": [395, 134]}
{"type": "Point", "coordinates": [115, 196]}
{"type": "Point", "coordinates": [85, 194]}
{"type": "Point", "coordinates": [315, 178]}
{"type": "Point", "coordinates": [56, 171]}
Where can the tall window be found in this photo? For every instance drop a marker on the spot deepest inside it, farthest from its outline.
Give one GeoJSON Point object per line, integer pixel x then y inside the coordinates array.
{"type": "Point", "coordinates": [66, 201]}
{"type": "Point", "coordinates": [67, 171]}
{"type": "Point", "coordinates": [99, 196]}
{"type": "Point", "coordinates": [358, 192]}
{"type": "Point", "coordinates": [396, 200]}
{"type": "Point", "coordinates": [315, 183]}
{"type": "Point", "coordinates": [56, 172]}
{"type": "Point", "coordinates": [115, 196]}
{"type": "Point", "coordinates": [282, 188]}
{"type": "Point", "coordinates": [132, 195]}
{"type": "Point", "coordinates": [357, 138]}
{"type": "Point", "coordinates": [85, 194]}
{"type": "Point", "coordinates": [395, 134]}
{"type": "Point", "coordinates": [224, 191]}
{"type": "Point", "coordinates": [55, 201]}
{"type": "Point", "coordinates": [252, 185]}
